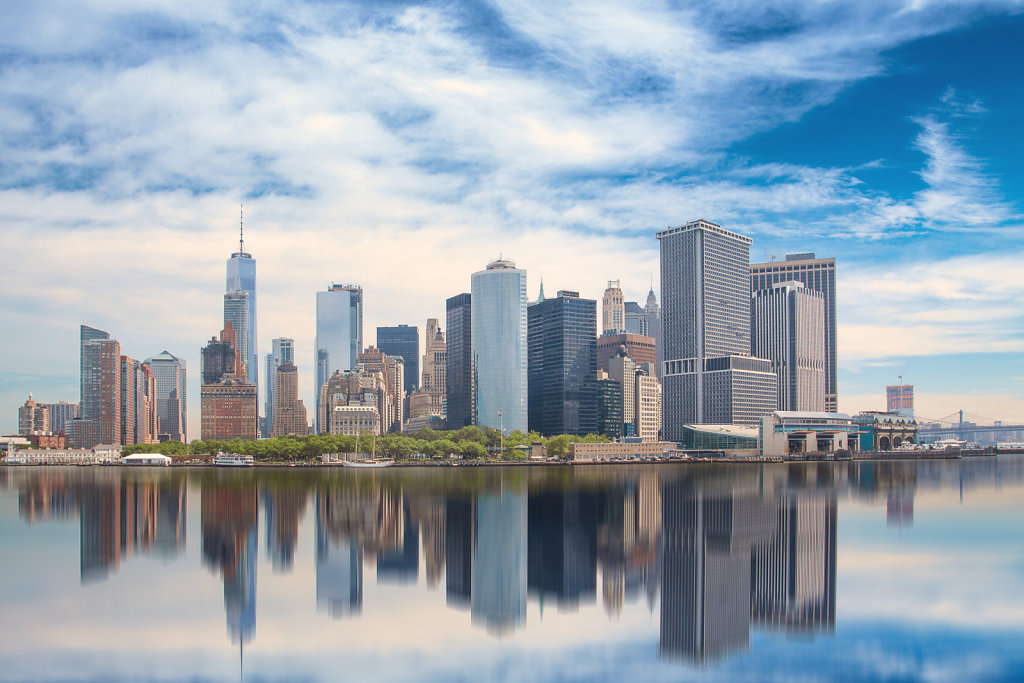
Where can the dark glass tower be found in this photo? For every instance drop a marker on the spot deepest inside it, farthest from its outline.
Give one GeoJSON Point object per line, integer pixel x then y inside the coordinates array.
{"type": "Point", "coordinates": [562, 365]}
{"type": "Point", "coordinates": [459, 382]}
{"type": "Point", "coordinates": [403, 341]}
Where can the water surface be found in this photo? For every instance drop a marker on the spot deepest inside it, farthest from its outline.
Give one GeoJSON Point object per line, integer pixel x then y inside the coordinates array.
{"type": "Point", "coordinates": [850, 571]}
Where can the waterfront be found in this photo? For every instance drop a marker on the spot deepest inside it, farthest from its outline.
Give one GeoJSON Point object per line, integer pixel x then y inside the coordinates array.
{"type": "Point", "coordinates": [901, 570]}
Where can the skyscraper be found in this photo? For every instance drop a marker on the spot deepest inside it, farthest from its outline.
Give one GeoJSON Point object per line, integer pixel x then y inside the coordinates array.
{"type": "Point", "coordinates": [818, 274]}
{"type": "Point", "coordinates": [236, 312]}
{"type": "Point", "coordinates": [562, 364]}
{"type": "Point", "coordinates": [499, 345]}
{"type": "Point", "coordinates": [613, 309]}
{"type": "Point", "coordinates": [241, 277]}
{"type": "Point", "coordinates": [899, 399]}
{"type": "Point", "coordinates": [171, 380]}
{"type": "Point", "coordinates": [289, 413]}
{"type": "Point", "coordinates": [403, 341]}
{"type": "Point", "coordinates": [653, 313]}
{"type": "Point", "coordinates": [339, 333]}
{"type": "Point", "coordinates": [282, 351]}
{"type": "Point", "coordinates": [220, 357]}
{"type": "Point", "coordinates": [101, 391]}
{"type": "Point", "coordinates": [459, 361]}
{"type": "Point", "coordinates": [708, 374]}
{"type": "Point", "coordinates": [788, 322]}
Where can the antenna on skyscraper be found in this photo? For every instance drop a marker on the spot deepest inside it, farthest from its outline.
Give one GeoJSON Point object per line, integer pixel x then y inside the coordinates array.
{"type": "Point", "coordinates": [241, 218]}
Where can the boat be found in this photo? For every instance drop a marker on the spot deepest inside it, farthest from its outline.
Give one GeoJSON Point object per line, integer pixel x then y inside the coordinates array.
{"type": "Point", "coordinates": [368, 463]}
{"type": "Point", "coordinates": [233, 460]}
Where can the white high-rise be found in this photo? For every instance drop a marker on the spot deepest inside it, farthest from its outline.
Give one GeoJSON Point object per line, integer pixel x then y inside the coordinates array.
{"type": "Point", "coordinates": [498, 320]}
{"type": "Point", "coordinates": [788, 328]}
{"type": "Point", "coordinates": [613, 309]}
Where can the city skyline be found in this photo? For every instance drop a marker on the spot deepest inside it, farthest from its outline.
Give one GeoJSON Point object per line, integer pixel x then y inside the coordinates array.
{"type": "Point", "coordinates": [895, 154]}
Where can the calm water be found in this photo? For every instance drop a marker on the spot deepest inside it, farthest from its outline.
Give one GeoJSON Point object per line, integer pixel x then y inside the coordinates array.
{"type": "Point", "coordinates": [853, 571]}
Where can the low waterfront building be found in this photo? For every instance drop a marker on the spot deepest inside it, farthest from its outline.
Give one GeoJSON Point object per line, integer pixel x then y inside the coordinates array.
{"type": "Point", "coordinates": [885, 431]}
{"type": "Point", "coordinates": [65, 456]}
{"type": "Point", "coordinates": [587, 452]}
{"type": "Point", "coordinates": [353, 420]}
{"type": "Point", "coordinates": [731, 440]}
{"type": "Point", "coordinates": [155, 459]}
{"type": "Point", "coordinates": [786, 432]}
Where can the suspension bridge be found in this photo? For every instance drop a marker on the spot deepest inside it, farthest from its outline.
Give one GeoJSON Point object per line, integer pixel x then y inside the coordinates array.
{"type": "Point", "coordinates": [964, 426]}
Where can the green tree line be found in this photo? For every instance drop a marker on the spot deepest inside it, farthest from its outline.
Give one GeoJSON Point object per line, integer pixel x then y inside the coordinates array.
{"type": "Point", "coordinates": [469, 443]}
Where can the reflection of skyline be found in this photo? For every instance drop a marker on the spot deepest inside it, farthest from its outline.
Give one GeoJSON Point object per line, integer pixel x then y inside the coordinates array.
{"type": "Point", "coordinates": [712, 552]}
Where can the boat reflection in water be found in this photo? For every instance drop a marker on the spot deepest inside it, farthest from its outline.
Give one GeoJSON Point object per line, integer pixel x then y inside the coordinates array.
{"type": "Point", "coordinates": [713, 553]}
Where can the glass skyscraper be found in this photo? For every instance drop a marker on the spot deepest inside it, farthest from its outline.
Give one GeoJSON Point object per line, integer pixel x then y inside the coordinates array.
{"type": "Point", "coordinates": [562, 361]}
{"type": "Point", "coordinates": [171, 415]}
{"type": "Point", "coordinates": [241, 277]}
{"type": "Point", "coordinates": [499, 346]}
{"type": "Point", "coordinates": [403, 341]}
{"type": "Point", "coordinates": [236, 312]}
{"type": "Point", "coordinates": [459, 363]}
{"type": "Point", "coordinates": [339, 334]}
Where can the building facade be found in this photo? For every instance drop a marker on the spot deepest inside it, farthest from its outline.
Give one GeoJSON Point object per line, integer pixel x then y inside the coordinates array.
{"type": "Point", "coordinates": [899, 399]}
{"type": "Point", "coordinates": [638, 347]}
{"type": "Point", "coordinates": [289, 413]}
{"type": "Point", "coordinates": [613, 309]}
{"type": "Point", "coordinates": [562, 365]}
{"type": "Point", "coordinates": [788, 328]}
{"type": "Point", "coordinates": [392, 369]}
{"type": "Point", "coordinates": [459, 362]}
{"type": "Point", "coordinates": [819, 275]}
{"type": "Point", "coordinates": [498, 312]}
{"type": "Point", "coordinates": [429, 399]}
{"type": "Point", "coordinates": [221, 357]}
{"type": "Point", "coordinates": [171, 405]}
{"type": "Point", "coordinates": [282, 351]}
{"type": "Point", "coordinates": [708, 375]}
{"type": "Point", "coordinates": [61, 413]}
{"type": "Point", "coordinates": [236, 314]}
{"type": "Point", "coordinates": [403, 341]}
{"type": "Point", "coordinates": [339, 332]}
{"type": "Point", "coordinates": [33, 418]}
{"type": "Point", "coordinates": [228, 410]}
{"type": "Point", "coordinates": [101, 391]}
{"type": "Point", "coordinates": [609, 407]}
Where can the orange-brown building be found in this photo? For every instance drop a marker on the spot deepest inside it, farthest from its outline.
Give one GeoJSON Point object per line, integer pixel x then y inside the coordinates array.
{"type": "Point", "coordinates": [638, 347]}
{"type": "Point", "coordinates": [228, 410]}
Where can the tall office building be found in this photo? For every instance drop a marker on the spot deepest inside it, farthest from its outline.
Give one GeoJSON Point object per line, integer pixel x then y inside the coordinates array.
{"type": "Point", "coordinates": [392, 370]}
{"type": "Point", "coordinates": [653, 314]}
{"type": "Point", "coordinates": [289, 413]}
{"type": "Point", "coordinates": [403, 341]}
{"type": "Point", "coordinates": [61, 413]}
{"type": "Point", "coordinates": [609, 406]}
{"type": "Point", "coordinates": [33, 418]}
{"type": "Point", "coordinates": [622, 369]}
{"type": "Point", "coordinates": [282, 351]}
{"type": "Point", "coordinates": [636, 319]}
{"type": "Point", "coordinates": [818, 274]}
{"type": "Point", "coordinates": [101, 391]}
{"type": "Point", "coordinates": [562, 365]}
{"type": "Point", "coordinates": [429, 400]}
{"type": "Point", "coordinates": [499, 345]}
{"type": "Point", "coordinates": [899, 399]}
{"type": "Point", "coordinates": [236, 314]}
{"type": "Point", "coordinates": [339, 334]}
{"type": "Point", "coordinates": [640, 348]}
{"type": "Point", "coordinates": [708, 374]}
{"type": "Point", "coordinates": [613, 309]}
{"type": "Point", "coordinates": [241, 277]}
{"type": "Point", "coordinates": [788, 328]}
{"type": "Point", "coordinates": [171, 406]}
{"type": "Point", "coordinates": [221, 357]}
{"type": "Point", "coordinates": [459, 362]}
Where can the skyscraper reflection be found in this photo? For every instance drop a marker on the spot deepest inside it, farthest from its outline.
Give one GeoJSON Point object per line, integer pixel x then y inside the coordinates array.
{"type": "Point", "coordinates": [229, 517]}
{"type": "Point", "coordinates": [498, 598]}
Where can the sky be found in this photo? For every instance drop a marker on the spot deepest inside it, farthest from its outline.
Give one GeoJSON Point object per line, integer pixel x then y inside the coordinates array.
{"type": "Point", "coordinates": [403, 146]}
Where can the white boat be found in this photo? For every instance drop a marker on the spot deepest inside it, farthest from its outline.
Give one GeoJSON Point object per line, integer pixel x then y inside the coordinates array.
{"type": "Point", "coordinates": [368, 463]}
{"type": "Point", "coordinates": [233, 460]}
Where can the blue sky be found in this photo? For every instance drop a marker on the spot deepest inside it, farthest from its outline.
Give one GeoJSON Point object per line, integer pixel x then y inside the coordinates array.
{"type": "Point", "coordinates": [402, 146]}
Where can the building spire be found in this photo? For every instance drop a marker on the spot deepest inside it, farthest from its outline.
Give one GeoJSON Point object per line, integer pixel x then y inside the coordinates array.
{"type": "Point", "coordinates": [241, 219]}
{"type": "Point", "coordinates": [540, 297]}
